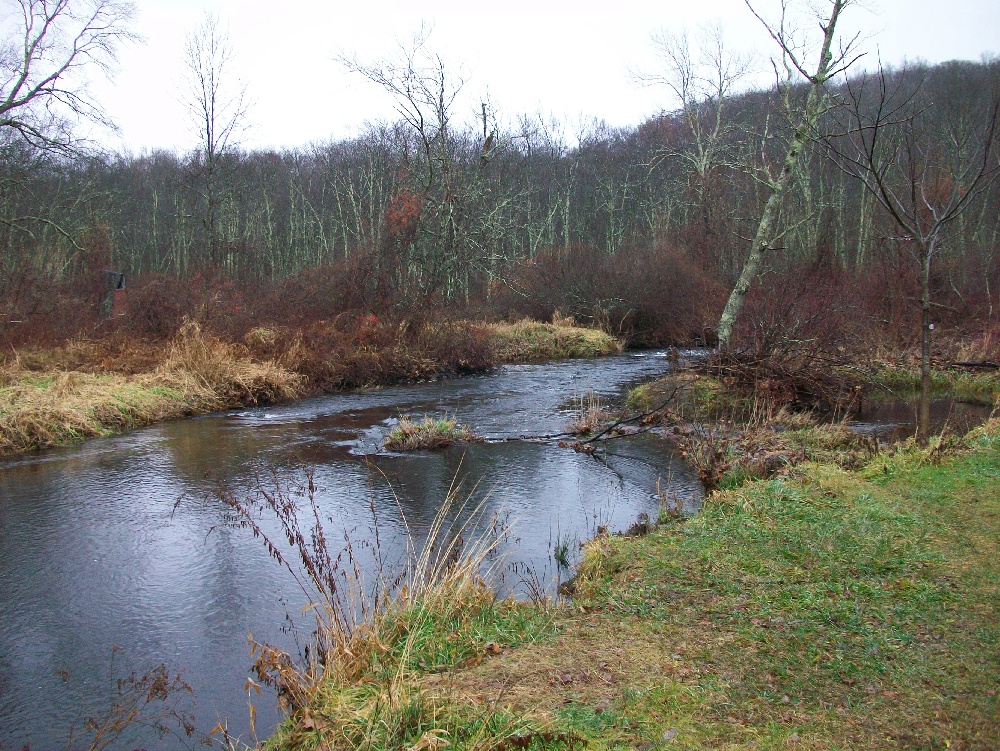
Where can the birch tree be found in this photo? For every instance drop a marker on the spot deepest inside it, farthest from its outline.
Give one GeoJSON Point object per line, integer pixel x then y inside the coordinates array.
{"type": "Point", "coordinates": [828, 65]}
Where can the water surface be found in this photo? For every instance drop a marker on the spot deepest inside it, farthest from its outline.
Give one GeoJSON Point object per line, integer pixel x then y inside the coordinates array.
{"type": "Point", "coordinates": [98, 552]}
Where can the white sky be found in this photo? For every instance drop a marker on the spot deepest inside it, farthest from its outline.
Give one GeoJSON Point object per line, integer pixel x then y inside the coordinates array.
{"type": "Point", "coordinates": [568, 58]}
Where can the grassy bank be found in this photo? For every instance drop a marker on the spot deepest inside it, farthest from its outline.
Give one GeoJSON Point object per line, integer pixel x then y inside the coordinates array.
{"type": "Point", "coordinates": [829, 609]}
{"type": "Point", "coordinates": [980, 385]}
{"type": "Point", "coordinates": [196, 374]}
{"type": "Point", "coordinates": [86, 389]}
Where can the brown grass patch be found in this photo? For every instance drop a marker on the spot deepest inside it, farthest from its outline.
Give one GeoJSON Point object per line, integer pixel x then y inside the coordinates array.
{"type": "Point", "coordinates": [526, 341]}
{"type": "Point", "coordinates": [198, 374]}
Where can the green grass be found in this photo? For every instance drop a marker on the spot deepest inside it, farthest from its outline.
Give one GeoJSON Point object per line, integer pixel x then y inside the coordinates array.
{"type": "Point", "coordinates": [967, 384]}
{"type": "Point", "coordinates": [395, 698]}
{"type": "Point", "coordinates": [432, 433]}
{"type": "Point", "coordinates": [830, 609]}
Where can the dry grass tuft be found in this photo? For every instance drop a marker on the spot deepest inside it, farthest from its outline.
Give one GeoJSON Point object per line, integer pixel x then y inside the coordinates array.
{"type": "Point", "coordinates": [222, 375]}
{"type": "Point", "coordinates": [526, 341]}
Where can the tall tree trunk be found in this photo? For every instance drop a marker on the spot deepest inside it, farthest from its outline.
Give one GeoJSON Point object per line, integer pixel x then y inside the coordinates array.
{"type": "Point", "coordinates": [778, 185]}
{"type": "Point", "coordinates": [926, 327]}
{"type": "Point", "coordinates": [765, 228]}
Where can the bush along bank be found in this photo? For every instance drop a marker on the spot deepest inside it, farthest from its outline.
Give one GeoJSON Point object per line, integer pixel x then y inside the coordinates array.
{"type": "Point", "coordinates": [86, 389]}
{"type": "Point", "coordinates": [829, 608]}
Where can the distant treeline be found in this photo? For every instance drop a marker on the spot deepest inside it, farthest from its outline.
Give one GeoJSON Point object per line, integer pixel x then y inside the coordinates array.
{"type": "Point", "coordinates": [501, 218]}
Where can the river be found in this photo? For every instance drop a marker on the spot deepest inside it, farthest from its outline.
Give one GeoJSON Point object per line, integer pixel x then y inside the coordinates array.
{"type": "Point", "coordinates": [121, 541]}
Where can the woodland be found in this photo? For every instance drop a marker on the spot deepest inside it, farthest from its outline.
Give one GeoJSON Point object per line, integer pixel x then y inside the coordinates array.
{"type": "Point", "coordinates": [641, 231]}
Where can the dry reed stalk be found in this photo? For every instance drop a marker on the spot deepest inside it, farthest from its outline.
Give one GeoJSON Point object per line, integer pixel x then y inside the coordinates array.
{"type": "Point", "coordinates": [590, 413]}
{"type": "Point", "coordinates": [357, 677]}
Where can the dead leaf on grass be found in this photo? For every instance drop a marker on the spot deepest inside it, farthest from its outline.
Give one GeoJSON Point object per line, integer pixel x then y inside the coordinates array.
{"type": "Point", "coordinates": [432, 740]}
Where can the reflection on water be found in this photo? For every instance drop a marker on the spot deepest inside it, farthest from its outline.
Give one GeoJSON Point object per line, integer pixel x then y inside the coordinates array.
{"type": "Point", "coordinates": [97, 552]}
{"type": "Point", "coordinates": [895, 419]}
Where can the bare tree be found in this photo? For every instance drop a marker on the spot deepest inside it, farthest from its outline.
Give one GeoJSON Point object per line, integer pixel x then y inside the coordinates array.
{"type": "Point", "coordinates": [43, 62]}
{"type": "Point", "coordinates": [829, 65]}
{"type": "Point", "coordinates": [923, 171]}
{"type": "Point", "coordinates": [445, 165]}
{"type": "Point", "coordinates": [217, 105]}
{"type": "Point", "coordinates": [702, 81]}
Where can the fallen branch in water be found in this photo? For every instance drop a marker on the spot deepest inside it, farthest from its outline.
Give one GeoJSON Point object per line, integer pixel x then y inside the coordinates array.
{"type": "Point", "coordinates": [616, 424]}
{"type": "Point", "coordinates": [636, 418]}
{"type": "Point", "coordinates": [985, 364]}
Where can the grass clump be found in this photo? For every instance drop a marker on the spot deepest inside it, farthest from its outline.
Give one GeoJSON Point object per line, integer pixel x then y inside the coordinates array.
{"type": "Point", "coordinates": [371, 675]}
{"type": "Point", "coordinates": [590, 413]}
{"type": "Point", "coordinates": [391, 695]}
{"type": "Point", "coordinates": [432, 433]}
{"type": "Point", "coordinates": [528, 341]}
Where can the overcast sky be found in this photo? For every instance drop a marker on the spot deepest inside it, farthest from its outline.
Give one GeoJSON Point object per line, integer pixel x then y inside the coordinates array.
{"type": "Point", "coordinates": [571, 59]}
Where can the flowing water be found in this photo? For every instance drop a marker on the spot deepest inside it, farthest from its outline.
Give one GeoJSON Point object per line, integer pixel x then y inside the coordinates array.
{"type": "Point", "coordinates": [120, 541]}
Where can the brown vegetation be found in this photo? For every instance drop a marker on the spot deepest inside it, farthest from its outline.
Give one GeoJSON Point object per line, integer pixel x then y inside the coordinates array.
{"type": "Point", "coordinates": [196, 373]}
{"type": "Point", "coordinates": [87, 386]}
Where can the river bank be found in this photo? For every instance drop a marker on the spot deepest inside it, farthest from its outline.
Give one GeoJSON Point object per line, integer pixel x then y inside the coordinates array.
{"type": "Point", "coordinates": [837, 605]}
{"type": "Point", "coordinates": [87, 389]}
{"type": "Point", "coordinates": [99, 554]}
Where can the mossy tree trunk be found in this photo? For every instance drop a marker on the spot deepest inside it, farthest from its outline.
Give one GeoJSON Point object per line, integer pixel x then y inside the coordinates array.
{"type": "Point", "coordinates": [827, 67]}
